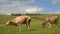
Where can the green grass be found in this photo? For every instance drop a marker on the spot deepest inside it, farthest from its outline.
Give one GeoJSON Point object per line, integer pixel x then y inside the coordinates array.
{"type": "Point", "coordinates": [35, 27]}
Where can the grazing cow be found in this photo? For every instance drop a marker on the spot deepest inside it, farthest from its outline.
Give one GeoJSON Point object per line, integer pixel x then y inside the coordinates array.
{"type": "Point", "coordinates": [50, 20]}
{"type": "Point", "coordinates": [19, 20]}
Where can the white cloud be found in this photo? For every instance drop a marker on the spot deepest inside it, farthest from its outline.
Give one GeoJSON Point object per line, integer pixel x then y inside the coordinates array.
{"type": "Point", "coordinates": [28, 1]}
{"type": "Point", "coordinates": [10, 8]}
{"type": "Point", "coordinates": [31, 10]}
{"type": "Point", "coordinates": [19, 7]}
{"type": "Point", "coordinates": [3, 0]}
{"type": "Point", "coordinates": [24, 1]}
{"type": "Point", "coordinates": [56, 2]}
{"type": "Point", "coordinates": [57, 12]}
{"type": "Point", "coordinates": [34, 10]}
{"type": "Point", "coordinates": [15, 6]}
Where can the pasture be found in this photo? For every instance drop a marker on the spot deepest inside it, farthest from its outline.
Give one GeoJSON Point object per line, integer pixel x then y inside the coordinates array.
{"type": "Point", "coordinates": [35, 26]}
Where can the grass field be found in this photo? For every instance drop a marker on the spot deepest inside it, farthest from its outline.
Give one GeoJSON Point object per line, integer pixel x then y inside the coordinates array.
{"type": "Point", "coordinates": [35, 27]}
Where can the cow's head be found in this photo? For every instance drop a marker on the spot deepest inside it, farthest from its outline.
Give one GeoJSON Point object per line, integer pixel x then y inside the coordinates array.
{"type": "Point", "coordinates": [7, 23]}
{"type": "Point", "coordinates": [43, 24]}
{"type": "Point", "coordinates": [11, 23]}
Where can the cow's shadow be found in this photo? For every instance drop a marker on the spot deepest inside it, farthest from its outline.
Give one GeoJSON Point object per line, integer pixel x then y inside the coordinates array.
{"type": "Point", "coordinates": [32, 30]}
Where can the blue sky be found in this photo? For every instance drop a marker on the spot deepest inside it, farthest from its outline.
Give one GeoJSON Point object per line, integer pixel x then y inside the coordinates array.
{"type": "Point", "coordinates": [29, 6]}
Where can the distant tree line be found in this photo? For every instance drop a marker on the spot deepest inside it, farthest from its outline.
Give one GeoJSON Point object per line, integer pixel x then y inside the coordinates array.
{"type": "Point", "coordinates": [16, 14]}
{"type": "Point", "coordinates": [23, 14]}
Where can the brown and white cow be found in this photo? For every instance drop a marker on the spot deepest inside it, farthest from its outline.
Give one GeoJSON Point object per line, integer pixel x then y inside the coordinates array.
{"type": "Point", "coordinates": [50, 20]}
{"type": "Point", "coordinates": [19, 20]}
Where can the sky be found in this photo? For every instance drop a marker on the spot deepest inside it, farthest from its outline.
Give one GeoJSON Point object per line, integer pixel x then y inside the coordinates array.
{"type": "Point", "coordinates": [30, 6]}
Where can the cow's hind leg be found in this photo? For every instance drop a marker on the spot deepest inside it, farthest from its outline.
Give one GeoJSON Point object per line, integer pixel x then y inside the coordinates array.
{"type": "Point", "coordinates": [56, 24]}
{"type": "Point", "coordinates": [28, 24]}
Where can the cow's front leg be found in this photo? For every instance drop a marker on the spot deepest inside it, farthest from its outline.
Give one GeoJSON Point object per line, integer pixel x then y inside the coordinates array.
{"type": "Point", "coordinates": [49, 25]}
{"type": "Point", "coordinates": [20, 27]}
